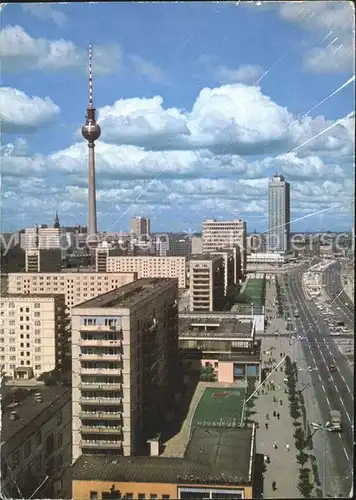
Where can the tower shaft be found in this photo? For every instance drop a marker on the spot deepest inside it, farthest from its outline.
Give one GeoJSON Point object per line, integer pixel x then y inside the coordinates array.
{"type": "Point", "coordinates": [92, 222]}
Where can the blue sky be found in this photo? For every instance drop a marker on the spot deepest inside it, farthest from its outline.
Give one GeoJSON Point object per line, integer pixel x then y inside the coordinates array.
{"type": "Point", "coordinates": [198, 103]}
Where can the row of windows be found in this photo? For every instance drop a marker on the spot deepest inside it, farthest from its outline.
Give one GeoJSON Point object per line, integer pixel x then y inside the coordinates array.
{"type": "Point", "coordinates": [94, 495]}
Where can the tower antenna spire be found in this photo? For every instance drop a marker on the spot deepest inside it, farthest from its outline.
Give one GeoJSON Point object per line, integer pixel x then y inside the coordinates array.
{"type": "Point", "coordinates": [90, 78]}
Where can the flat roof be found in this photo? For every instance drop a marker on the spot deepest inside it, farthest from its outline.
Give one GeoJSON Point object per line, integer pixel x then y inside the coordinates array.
{"type": "Point", "coordinates": [130, 294]}
{"type": "Point", "coordinates": [24, 296]}
{"type": "Point", "coordinates": [22, 400]}
{"type": "Point", "coordinates": [219, 407]}
{"type": "Point", "coordinates": [205, 256]}
{"type": "Point", "coordinates": [213, 456]}
{"type": "Point", "coordinates": [229, 327]}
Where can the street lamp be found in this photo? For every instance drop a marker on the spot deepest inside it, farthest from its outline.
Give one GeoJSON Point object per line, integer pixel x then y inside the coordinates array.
{"type": "Point", "coordinates": [325, 428]}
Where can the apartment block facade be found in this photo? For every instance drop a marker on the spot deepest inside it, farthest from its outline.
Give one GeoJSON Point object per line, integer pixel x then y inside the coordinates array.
{"type": "Point", "coordinates": [76, 286]}
{"type": "Point", "coordinates": [140, 226]}
{"type": "Point", "coordinates": [33, 334]}
{"type": "Point", "coordinates": [125, 365]}
{"type": "Point", "coordinates": [278, 214]}
{"type": "Point", "coordinates": [144, 266]}
{"type": "Point", "coordinates": [218, 235]}
{"type": "Point", "coordinates": [206, 283]}
{"type": "Point", "coordinates": [44, 237]}
{"type": "Point", "coordinates": [35, 442]}
{"type": "Point", "coordinates": [42, 260]}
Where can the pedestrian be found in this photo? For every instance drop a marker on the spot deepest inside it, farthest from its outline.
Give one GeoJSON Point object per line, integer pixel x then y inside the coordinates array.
{"type": "Point", "coordinates": [281, 369]}
{"type": "Point", "coordinates": [278, 415]}
{"type": "Point", "coordinates": [268, 459]}
{"type": "Point", "coordinates": [274, 413]}
{"type": "Point", "coordinates": [287, 447]}
{"type": "Point", "coordinates": [274, 486]}
{"type": "Point", "coordinates": [266, 425]}
{"type": "Point", "coordinates": [267, 416]}
{"type": "Point", "coordinates": [281, 402]}
{"type": "Point", "coordinates": [275, 445]}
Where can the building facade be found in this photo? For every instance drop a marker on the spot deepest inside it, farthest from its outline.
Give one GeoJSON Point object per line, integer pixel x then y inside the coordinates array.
{"type": "Point", "coordinates": [206, 282]}
{"type": "Point", "coordinates": [35, 442]}
{"type": "Point", "coordinates": [145, 266]}
{"type": "Point", "coordinates": [33, 334]}
{"type": "Point", "coordinates": [218, 235]}
{"type": "Point", "coordinates": [125, 365]}
{"type": "Point", "coordinates": [44, 237]}
{"type": "Point", "coordinates": [76, 286]}
{"type": "Point", "coordinates": [140, 227]}
{"type": "Point", "coordinates": [278, 214]}
{"type": "Point", "coordinates": [42, 260]}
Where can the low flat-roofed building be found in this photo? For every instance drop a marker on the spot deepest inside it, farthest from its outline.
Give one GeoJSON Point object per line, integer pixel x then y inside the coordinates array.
{"type": "Point", "coordinates": [76, 286]}
{"type": "Point", "coordinates": [35, 442]}
{"type": "Point", "coordinates": [228, 345]}
{"type": "Point", "coordinates": [218, 463]}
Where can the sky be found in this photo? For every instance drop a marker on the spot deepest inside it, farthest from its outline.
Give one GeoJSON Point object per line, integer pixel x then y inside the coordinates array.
{"type": "Point", "coordinates": [198, 103]}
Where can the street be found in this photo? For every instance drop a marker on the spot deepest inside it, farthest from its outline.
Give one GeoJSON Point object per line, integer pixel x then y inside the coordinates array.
{"type": "Point", "coordinates": [334, 390]}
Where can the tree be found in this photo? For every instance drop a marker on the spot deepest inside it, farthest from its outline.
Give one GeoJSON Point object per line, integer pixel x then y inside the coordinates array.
{"type": "Point", "coordinates": [299, 434]}
{"type": "Point", "coordinates": [302, 458]}
{"type": "Point", "coordinates": [305, 487]}
{"type": "Point", "coordinates": [207, 374]}
{"type": "Point", "coordinates": [294, 412]}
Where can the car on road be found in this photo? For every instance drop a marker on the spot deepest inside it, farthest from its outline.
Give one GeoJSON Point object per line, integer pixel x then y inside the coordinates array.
{"type": "Point", "coordinates": [332, 368]}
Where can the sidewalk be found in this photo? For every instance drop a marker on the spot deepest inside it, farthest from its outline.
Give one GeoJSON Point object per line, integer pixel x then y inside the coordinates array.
{"type": "Point", "coordinates": [283, 468]}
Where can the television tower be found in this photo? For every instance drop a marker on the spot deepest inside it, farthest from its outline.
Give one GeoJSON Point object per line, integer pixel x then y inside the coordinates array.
{"type": "Point", "coordinates": [91, 132]}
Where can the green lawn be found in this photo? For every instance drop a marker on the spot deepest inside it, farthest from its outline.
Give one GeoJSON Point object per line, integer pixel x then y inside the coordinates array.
{"type": "Point", "coordinates": [219, 407]}
{"type": "Point", "coordinates": [253, 292]}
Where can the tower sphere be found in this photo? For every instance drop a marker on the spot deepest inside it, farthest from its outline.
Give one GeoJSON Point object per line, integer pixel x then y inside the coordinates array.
{"type": "Point", "coordinates": [91, 131]}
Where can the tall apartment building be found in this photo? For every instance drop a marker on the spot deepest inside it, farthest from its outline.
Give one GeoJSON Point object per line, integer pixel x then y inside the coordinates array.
{"type": "Point", "coordinates": [197, 245]}
{"type": "Point", "coordinates": [76, 286]}
{"type": "Point", "coordinates": [229, 268]}
{"type": "Point", "coordinates": [140, 226]}
{"type": "Point", "coordinates": [35, 442]}
{"type": "Point", "coordinates": [125, 366]}
{"type": "Point", "coordinates": [33, 334]}
{"type": "Point", "coordinates": [44, 237]}
{"type": "Point", "coordinates": [278, 214]}
{"type": "Point", "coordinates": [149, 266]}
{"type": "Point", "coordinates": [206, 283]}
{"type": "Point", "coordinates": [218, 235]}
{"type": "Point", "coordinates": [42, 260]}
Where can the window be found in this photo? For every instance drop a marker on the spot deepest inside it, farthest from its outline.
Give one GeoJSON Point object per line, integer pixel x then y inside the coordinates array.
{"type": "Point", "coordinates": [27, 449]}
{"type": "Point", "coordinates": [37, 314]}
{"type": "Point", "coordinates": [38, 438]}
{"type": "Point", "coordinates": [129, 496]}
{"type": "Point", "coordinates": [165, 497]}
{"type": "Point", "coordinates": [141, 496]}
{"type": "Point", "coordinates": [59, 440]}
{"type": "Point", "coordinates": [37, 367]}
{"type": "Point", "coordinates": [59, 417]}
{"type": "Point", "coordinates": [153, 496]}
{"type": "Point", "coordinates": [49, 445]}
{"type": "Point", "coordinates": [37, 305]}
{"type": "Point", "coordinates": [94, 495]}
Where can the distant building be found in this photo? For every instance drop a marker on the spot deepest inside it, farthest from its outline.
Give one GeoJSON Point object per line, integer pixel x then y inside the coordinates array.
{"type": "Point", "coordinates": [125, 367]}
{"type": "Point", "coordinates": [278, 214]}
{"type": "Point", "coordinates": [44, 238]}
{"type": "Point", "coordinates": [220, 234]}
{"type": "Point", "coordinates": [197, 245]}
{"type": "Point", "coordinates": [145, 266]}
{"type": "Point", "coordinates": [35, 442]}
{"type": "Point", "coordinates": [180, 245]}
{"type": "Point", "coordinates": [34, 335]}
{"type": "Point", "coordinates": [76, 286]}
{"type": "Point", "coordinates": [219, 462]}
{"type": "Point", "coordinates": [206, 282]}
{"type": "Point", "coordinates": [42, 260]}
{"type": "Point", "coordinates": [140, 227]}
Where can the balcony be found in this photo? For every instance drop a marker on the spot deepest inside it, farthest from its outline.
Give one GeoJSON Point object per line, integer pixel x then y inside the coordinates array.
{"type": "Point", "coordinates": [101, 371]}
{"type": "Point", "coordinates": [99, 328]}
{"type": "Point", "coordinates": [100, 357]}
{"type": "Point", "coordinates": [100, 386]}
{"type": "Point", "coordinates": [101, 430]}
{"type": "Point", "coordinates": [100, 401]}
{"type": "Point", "coordinates": [100, 343]}
{"type": "Point", "coordinates": [99, 414]}
{"type": "Point", "coordinates": [85, 443]}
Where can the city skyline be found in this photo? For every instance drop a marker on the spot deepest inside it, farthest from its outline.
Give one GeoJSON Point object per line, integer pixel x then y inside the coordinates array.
{"type": "Point", "coordinates": [182, 141]}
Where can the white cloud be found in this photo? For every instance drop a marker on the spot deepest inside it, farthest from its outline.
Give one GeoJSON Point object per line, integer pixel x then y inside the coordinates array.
{"type": "Point", "coordinates": [223, 120]}
{"type": "Point", "coordinates": [23, 114]}
{"type": "Point", "coordinates": [148, 70]}
{"type": "Point", "coordinates": [20, 52]}
{"type": "Point", "coordinates": [334, 24]}
{"type": "Point", "coordinates": [246, 73]}
{"type": "Point", "coordinates": [46, 12]}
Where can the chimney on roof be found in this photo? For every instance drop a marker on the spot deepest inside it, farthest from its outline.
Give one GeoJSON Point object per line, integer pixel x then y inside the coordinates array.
{"type": "Point", "coordinates": [154, 446]}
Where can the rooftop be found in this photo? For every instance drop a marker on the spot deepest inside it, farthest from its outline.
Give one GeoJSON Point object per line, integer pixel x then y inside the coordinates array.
{"type": "Point", "coordinates": [213, 456]}
{"type": "Point", "coordinates": [22, 401]}
{"type": "Point", "coordinates": [205, 256]}
{"type": "Point", "coordinates": [203, 327]}
{"type": "Point", "coordinates": [219, 407]}
{"type": "Point", "coordinates": [24, 296]}
{"type": "Point", "coordinates": [130, 294]}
